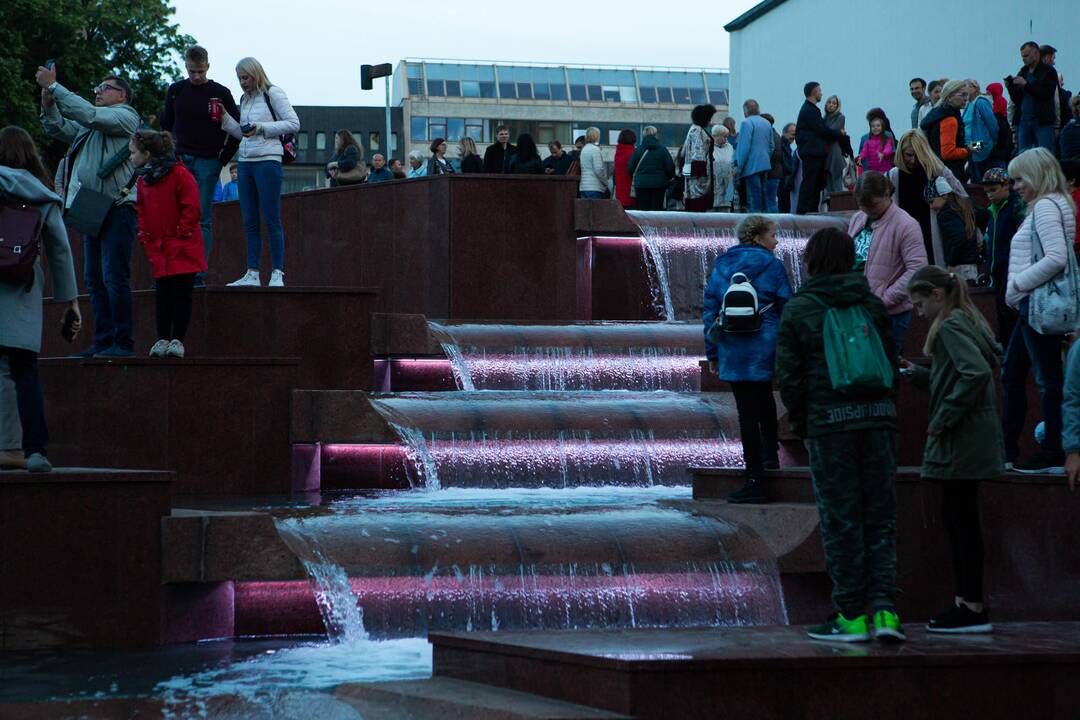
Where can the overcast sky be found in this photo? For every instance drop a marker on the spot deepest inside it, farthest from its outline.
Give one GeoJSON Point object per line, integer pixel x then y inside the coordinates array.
{"type": "Point", "coordinates": [313, 49]}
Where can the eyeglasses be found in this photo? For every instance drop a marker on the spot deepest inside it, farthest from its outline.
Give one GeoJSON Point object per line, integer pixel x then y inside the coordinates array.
{"type": "Point", "coordinates": [106, 86]}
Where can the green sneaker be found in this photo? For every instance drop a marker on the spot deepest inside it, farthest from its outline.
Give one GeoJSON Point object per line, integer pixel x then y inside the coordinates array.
{"type": "Point", "coordinates": [887, 626]}
{"type": "Point", "coordinates": [840, 629]}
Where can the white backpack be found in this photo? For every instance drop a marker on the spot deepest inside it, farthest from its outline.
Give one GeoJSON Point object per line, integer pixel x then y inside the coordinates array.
{"type": "Point", "coordinates": [740, 312]}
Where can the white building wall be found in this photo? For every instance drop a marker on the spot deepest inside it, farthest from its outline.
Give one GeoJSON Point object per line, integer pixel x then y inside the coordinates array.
{"type": "Point", "coordinates": [866, 53]}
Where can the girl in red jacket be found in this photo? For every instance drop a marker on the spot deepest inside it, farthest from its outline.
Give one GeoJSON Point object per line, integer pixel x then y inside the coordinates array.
{"type": "Point", "coordinates": [168, 204]}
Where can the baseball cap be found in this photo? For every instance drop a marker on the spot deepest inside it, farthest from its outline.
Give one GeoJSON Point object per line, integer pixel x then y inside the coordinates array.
{"type": "Point", "coordinates": [995, 176]}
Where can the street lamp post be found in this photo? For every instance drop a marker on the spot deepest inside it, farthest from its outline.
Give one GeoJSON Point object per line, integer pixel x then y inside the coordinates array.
{"type": "Point", "coordinates": [367, 74]}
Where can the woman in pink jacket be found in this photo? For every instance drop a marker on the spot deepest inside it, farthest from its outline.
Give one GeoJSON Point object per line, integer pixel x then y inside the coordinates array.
{"type": "Point", "coordinates": [888, 248]}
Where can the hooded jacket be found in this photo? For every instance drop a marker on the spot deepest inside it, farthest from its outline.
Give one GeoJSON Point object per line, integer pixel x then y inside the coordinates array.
{"type": "Point", "coordinates": [169, 228]}
{"type": "Point", "coordinates": [964, 434]}
{"type": "Point", "coordinates": [746, 356]}
{"type": "Point", "coordinates": [814, 408]}
{"type": "Point", "coordinates": [99, 134]}
{"type": "Point", "coordinates": [980, 125]}
{"type": "Point", "coordinates": [20, 311]}
{"type": "Point", "coordinates": [1003, 221]}
{"type": "Point", "coordinates": [657, 166]}
{"type": "Point", "coordinates": [896, 252]}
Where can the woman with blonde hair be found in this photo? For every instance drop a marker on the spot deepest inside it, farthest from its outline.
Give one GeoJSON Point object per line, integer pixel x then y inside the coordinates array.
{"type": "Point", "coordinates": [1047, 230]}
{"type": "Point", "coordinates": [916, 167]}
{"type": "Point", "coordinates": [471, 162]}
{"type": "Point", "coordinates": [266, 116]}
{"type": "Point", "coordinates": [963, 444]}
{"type": "Point", "coordinates": [593, 182]}
{"type": "Point", "coordinates": [834, 161]}
{"type": "Point", "coordinates": [944, 128]}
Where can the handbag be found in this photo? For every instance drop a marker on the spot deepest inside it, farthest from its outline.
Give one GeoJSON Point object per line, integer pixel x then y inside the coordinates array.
{"type": "Point", "coordinates": [850, 175]}
{"type": "Point", "coordinates": [1054, 306]}
{"type": "Point", "coordinates": [90, 208]}
{"type": "Point", "coordinates": [358, 174]}
{"type": "Point", "coordinates": [20, 243]}
{"type": "Point", "coordinates": [289, 146]}
{"type": "Point", "coordinates": [633, 188]}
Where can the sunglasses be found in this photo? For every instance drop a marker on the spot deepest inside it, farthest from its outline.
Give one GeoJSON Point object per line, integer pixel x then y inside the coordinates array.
{"type": "Point", "coordinates": [106, 86]}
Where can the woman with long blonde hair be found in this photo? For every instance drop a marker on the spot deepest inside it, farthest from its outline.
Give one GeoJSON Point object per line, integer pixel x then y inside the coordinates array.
{"type": "Point", "coordinates": [266, 116]}
{"type": "Point", "coordinates": [916, 167]}
{"type": "Point", "coordinates": [471, 162]}
{"type": "Point", "coordinates": [964, 444]}
{"type": "Point", "coordinates": [1051, 225]}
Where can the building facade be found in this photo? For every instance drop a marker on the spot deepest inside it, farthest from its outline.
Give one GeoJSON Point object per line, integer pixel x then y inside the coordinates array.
{"type": "Point", "coordinates": [316, 140]}
{"type": "Point", "coordinates": [454, 99]}
{"type": "Point", "coordinates": [866, 55]}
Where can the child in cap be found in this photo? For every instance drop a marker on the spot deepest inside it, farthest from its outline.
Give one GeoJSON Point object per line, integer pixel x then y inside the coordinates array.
{"type": "Point", "coordinates": [1003, 217]}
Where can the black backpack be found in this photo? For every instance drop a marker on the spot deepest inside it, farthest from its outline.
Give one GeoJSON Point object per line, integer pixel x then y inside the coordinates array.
{"type": "Point", "coordinates": [740, 312]}
{"type": "Point", "coordinates": [20, 242]}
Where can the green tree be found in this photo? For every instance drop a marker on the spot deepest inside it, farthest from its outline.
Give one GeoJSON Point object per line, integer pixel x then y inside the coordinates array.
{"type": "Point", "coordinates": [88, 39]}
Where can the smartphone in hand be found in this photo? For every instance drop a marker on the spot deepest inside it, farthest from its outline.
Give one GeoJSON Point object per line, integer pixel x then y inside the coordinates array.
{"type": "Point", "coordinates": [67, 330]}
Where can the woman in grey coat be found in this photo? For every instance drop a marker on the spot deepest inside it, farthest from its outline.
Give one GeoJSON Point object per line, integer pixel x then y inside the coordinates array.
{"type": "Point", "coordinates": [23, 181]}
{"type": "Point", "coordinates": [834, 163]}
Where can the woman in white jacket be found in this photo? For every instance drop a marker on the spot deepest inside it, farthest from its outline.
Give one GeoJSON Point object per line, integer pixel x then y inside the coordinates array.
{"type": "Point", "coordinates": [1037, 176]}
{"type": "Point", "coordinates": [265, 116]}
{"type": "Point", "coordinates": [723, 170]}
{"type": "Point", "coordinates": [593, 184]}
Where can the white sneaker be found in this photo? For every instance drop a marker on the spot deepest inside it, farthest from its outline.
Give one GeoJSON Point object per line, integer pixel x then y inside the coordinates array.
{"type": "Point", "coordinates": [175, 349]}
{"type": "Point", "coordinates": [158, 349]}
{"type": "Point", "coordinates": [277, 279]}
{"type": "Point", "coordinates": [250, 279]}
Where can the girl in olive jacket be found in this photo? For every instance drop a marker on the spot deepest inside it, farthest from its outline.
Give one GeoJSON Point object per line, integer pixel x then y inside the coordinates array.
{"type": "Point", "coordinates": [964, 443]}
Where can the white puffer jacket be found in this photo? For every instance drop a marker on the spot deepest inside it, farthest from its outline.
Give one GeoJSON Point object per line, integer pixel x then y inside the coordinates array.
{"type": "Point", "coordinates": [265, 144]}
{"type": "Point", "coordinates": [1056, 225]}
{"type": "Point", "coordinates": [593, 172]}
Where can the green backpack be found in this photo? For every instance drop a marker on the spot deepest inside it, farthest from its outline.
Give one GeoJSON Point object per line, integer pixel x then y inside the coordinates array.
{"type": "Point", "coordinates": [854, 352]}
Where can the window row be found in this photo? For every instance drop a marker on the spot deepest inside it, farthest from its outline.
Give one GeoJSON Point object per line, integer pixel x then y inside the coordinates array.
{"type": "Point", "coordinates": [557, 91]}
{"type": "Point", "coordinates": [452, 129]}
{"type": "Point", "coordinates": [426, 129]}
{"type": "Point", "coordinates": [325, 140]}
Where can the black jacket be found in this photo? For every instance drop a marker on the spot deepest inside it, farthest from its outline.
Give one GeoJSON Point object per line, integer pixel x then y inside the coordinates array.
{"type": "Point", "coordinates": [657, 167]}
{"type": "Point", "coordinates": [434, 167]}
{"type": "Point", "coordinates": [472, 164]}
{"type": "Point", "coordinates": [812, 135]}
{"type": "Point", "coordinates": [559, 165]}
{"type": "Point", "coordinates": [960, 248]}
{"type": "Point", "coordinates": [1042, 90]}
{"type": "Point", "coordinates": [496, 160]}
{"type": "Point", "coordinates": [931, 125]}
{"type": "Point", "coordinates": [788, 157]}
{"type": "Point", "coordinates": [520, 166]}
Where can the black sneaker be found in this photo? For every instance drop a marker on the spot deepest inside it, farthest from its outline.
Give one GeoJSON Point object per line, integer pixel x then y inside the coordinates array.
{"type": "Point", "coordinates": [960, 620]}
{"type": "Point", "coordinates": [1041, 462]}
{"type": "Point", "coordinates": [751, 493]}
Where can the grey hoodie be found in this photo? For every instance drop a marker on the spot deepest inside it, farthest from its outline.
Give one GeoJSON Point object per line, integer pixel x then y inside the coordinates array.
{"type": "Point", "coordinates": [20, 311]}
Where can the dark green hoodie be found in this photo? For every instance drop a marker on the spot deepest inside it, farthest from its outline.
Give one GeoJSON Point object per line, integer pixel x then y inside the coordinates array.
{"type": "Point", "coordinates": [814, 408]}
{"type": "Point", "coordinates": [657, 167]}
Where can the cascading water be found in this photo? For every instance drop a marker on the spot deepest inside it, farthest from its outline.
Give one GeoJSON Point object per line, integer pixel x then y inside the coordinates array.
{"type": "Point", "coordinates": [631, 356]}
{"type": "Point", "coordinates": [679, 250]}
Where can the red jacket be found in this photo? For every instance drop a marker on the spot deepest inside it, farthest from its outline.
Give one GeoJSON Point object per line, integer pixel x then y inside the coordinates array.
{"type": "Point", "coordinates": [169, 224]}
{"type": "Point", "coordinates": [622, 177]}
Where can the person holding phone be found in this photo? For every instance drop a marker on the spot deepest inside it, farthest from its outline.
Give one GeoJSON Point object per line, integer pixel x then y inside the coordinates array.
{"type": "Point", "coordinates": [24, 180]}
{"type": "Point", "coordinates": [265, 116]}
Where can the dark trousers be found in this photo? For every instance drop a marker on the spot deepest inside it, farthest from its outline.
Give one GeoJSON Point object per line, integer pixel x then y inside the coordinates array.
{"type": "Point", "coordinates": [813, 182]}
{"type": "Point", "coordinates": [960, 514]}
{"type": "Point", "coordinates": [785, 197]}
{"type": "Point", "coordinates": [24, 374]}
{"type": "Point", "coordinates": [1027, 351]}
{"type": "Point", "coordinates": [650, 198]}
{"type": "Point", "coordinates": [173, 304]}
{"type": "Point", "coordinates": [107, 272]}
{"type": "Point", "coordinates": [854, 486]}
{"type": "Point", "coordinates": [757, 424]}
{"type": "Point", "coordinates": [1006, 316]}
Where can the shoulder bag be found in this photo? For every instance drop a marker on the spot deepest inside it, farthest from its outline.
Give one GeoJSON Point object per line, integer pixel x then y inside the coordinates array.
{"type": "Point", "coordinates": [633, 188]}
{"type": "Point", "coordinates": [90, 208]}
{"type": "Point", "coordinates": [289, 146]}
{"type": "Point", "coordinates": [1054, 306]}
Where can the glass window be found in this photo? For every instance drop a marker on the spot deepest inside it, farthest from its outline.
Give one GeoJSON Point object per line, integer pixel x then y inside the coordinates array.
{"type": "Point", "coordinates": [697, 96]}
{"type": "Point", "coordinates": [648, 94]}
{"type": "Point", "coordinates": [416, 86]}
{"type": "Point", "coordinates": [596, 93]}
{"type": "Point", "coordinates": [718, 97]}
{"type": "Point", "coordinates": [487, 89]}
{"type": "Point", "coordinates": [663, 94]}
{"type": "Point", "coordinates": [393, 143]}
{"type": "Point", "coordinates": [558, 91]}
{"type": "Point", "coordinates": [507, 90]}
{"type": "Point", "coordinates": [373, 141]}
{"type": "Point", "coordinates": [418, 128]}
{"type": "Point", "coordinates": [682, 95]}
{"type": "Point", "coordinates": [545, 133]}
{"type": "Point", "coordinates": [577, 92]}
{"type": "Point", "coordinates": [541, 91]}
{"type": "Point", "coordinates": [453, 88]}
{"type": "Point", "coordinates": [474, 128]}
{"type": "Point", "coordinates": [413, 70]}
{"type": "Point", "coordinates": [436, 88]}
{"type": "Point", "coordinates": [524, 91]}
{"type": "Point", "coordinates": [611, 94]}
{"type": "Point", "coordinates": [613, 137]}
{"type": "Point", "coordinates": [320, 140]}
{"type": "Point", "coordinates": [436, 128]}
{"type": "Point", "coordinates": [485, 73]}
{"type": "Point", "coordinates": [576, 133]}
{"type": "Point", "coordinates": [470, 88]}
{"type": "Point", "coordinates": [717, 81]}
{"type": "Point", "coordinates": [303, 141]}
{"type": "Point", "coordinates": [628, 93]}
{"type": "Point", "coordinates": [455, 129]}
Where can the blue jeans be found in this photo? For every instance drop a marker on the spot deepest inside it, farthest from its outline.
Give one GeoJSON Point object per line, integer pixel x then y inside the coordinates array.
{"type": "Point", "coordinates": [1031, 134]}
{"type": "Point", "coordinates": [772, 195]}
{"type": "Point", "coordinates": [1030, 350]}
{"type": "Point", "coordinates": [259, 186]}
{"type": "Point", "coordinates": [755, 192]}
{"type": "Point", "coordinates": [107, 272]}
{"type": "Point", "coordinates": [593, 195]}
{"type": "Point", "coordinates": [207, 173]}
{"type": "Point", "coordinates": [900, 323]}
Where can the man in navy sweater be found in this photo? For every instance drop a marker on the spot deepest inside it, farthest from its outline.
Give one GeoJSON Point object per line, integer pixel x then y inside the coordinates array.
{"type": "Point", "coordinates": [812, 137]}
{"type": "Point", "coordinates": [200, 142]}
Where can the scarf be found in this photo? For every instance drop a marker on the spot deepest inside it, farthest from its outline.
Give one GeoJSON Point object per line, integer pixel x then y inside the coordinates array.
{"type": "Point", "coordinates": [155, 170]}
